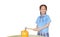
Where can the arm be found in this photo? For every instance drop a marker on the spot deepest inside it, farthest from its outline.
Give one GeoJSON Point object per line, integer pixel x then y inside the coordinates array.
{"type": "Point", "coordinates": [45, 26]}
{"type": "Point", "coordinates": [40, 28]}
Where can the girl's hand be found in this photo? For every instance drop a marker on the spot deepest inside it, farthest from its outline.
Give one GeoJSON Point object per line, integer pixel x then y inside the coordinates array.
{"type": "Point", "coordinates": [29, 28]}
{"type": "Point", "coordinates": [35, 29]}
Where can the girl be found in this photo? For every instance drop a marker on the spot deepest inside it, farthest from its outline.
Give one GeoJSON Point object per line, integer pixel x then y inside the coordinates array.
{"type": "Point", "coordinates": [42, 22]}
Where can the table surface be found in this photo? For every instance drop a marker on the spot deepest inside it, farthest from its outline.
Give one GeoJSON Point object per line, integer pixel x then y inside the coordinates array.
{"type": "Point", "coordinates": [29, 36]}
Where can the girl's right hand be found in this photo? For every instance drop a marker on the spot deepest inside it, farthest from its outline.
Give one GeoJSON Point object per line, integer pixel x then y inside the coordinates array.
{"type": "Point", "coordinates": [29, 28]}
{"type": "Point", "coordinates": [35, 29]}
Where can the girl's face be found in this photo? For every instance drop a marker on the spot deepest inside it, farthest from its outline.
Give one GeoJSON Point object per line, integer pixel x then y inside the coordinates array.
{"type": "Point", "coordinates": [43, 10]}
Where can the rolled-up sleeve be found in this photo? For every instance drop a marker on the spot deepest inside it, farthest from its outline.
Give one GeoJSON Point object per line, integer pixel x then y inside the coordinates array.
{"type": "Point", "coordinates": [48, 20]}
{"type": "Point", "coordinates": [37, 20]}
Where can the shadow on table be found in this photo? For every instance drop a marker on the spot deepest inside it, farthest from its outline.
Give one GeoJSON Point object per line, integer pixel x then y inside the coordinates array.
{"type": "Point", "coordinates": [29, 36]}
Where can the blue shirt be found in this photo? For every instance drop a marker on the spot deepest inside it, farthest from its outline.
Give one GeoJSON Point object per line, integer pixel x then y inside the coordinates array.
{"type": "Point", "coordinates": [43, 20]}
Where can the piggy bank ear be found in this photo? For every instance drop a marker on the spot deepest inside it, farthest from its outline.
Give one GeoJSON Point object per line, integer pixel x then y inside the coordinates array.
{"type": "Point", "coordinates": [25, 28]}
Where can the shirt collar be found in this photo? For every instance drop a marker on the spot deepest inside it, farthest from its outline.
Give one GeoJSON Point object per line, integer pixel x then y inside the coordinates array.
{"type": "Point", "coordinates": [43, 15]}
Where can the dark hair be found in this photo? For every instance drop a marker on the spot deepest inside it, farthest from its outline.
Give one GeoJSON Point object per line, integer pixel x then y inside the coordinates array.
{"type": "Point", "coordinates": [44, 6]}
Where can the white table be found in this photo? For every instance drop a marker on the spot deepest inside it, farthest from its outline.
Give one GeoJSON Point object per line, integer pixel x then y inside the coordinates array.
{"type": "Point", "coordinates": [29, 36]}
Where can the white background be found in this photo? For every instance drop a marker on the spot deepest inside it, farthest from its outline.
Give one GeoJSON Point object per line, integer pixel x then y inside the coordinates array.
{"type": "Point", "coordinates": [15, 15]}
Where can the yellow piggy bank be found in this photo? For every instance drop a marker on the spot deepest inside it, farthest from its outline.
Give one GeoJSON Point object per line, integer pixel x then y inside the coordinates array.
{"type": "Point", "coordinates": [24, 33]}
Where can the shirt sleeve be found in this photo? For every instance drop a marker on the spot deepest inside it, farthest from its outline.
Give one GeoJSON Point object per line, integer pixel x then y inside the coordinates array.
{"type": "Point", "coordinates": [48, 20]}
{"type": "Point", "coordinates": [37, 20]}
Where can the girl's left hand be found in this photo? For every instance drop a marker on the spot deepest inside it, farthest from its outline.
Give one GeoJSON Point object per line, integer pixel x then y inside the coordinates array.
{"type": "Point", "coordinates": [35, 29]}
